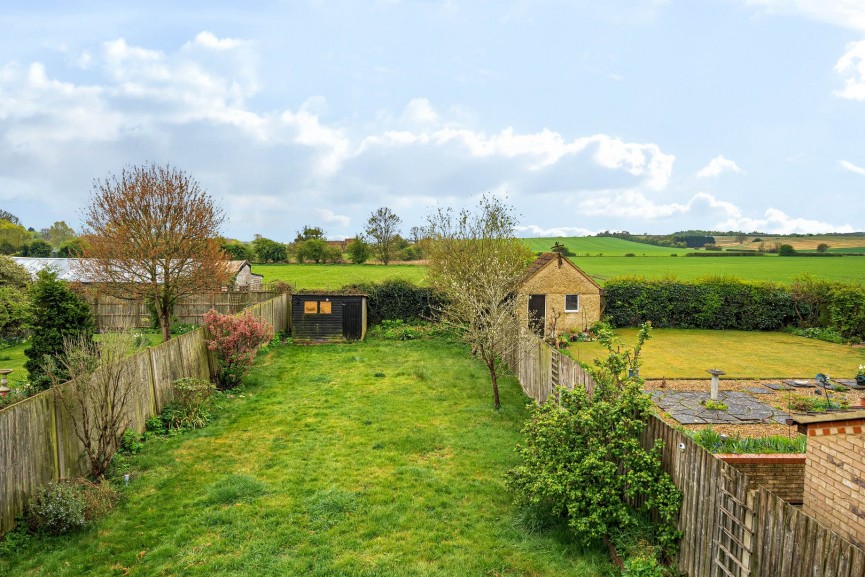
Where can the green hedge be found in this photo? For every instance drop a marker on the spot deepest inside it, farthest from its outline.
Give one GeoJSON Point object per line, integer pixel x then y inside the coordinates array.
{"type": "Point", "coordinates": [735, 304]}
{"type": "Point", "coordinates": [710, 303]}
{"type": "Point", "coordinates": [397, 300]}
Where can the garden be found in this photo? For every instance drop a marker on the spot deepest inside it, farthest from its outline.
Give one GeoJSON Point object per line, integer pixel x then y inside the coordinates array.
{"type": "Point", "coordinates": [376, 458]}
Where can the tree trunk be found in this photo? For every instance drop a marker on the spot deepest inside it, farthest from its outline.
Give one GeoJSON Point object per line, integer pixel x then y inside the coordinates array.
{"type": "Point", "coordinates": [165, 320]}
{"type": "Point", "coordinates": [495, 381]}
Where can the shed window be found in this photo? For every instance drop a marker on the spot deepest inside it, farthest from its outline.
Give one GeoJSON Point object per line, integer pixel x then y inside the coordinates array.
{"type": "Point", "coordinates": [310, 308]}
{"type": "Point", "coordinates": [572, 303]}
{"type": "Point", "coordinates": [324, 307]}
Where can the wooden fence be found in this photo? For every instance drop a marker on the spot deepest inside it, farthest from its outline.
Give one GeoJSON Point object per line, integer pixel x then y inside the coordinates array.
{"type": "Point", "coordinates": [37, 439]}
{"type": "Point", "coordinates": [114, 313]}
{"type": "Point", "coordinates": [732, 527]}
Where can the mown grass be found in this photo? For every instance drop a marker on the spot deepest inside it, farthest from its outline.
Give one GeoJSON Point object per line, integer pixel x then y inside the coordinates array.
{"type": "Point", "coordinates": [334, 276]}
{"type": "Point", "coordinates": [681, 353]}
{"type": "Point", "coordinates": [380, 458]}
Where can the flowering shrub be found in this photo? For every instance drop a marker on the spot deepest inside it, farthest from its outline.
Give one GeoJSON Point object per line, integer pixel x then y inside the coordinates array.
{"type": "Point", "coordinates": [235, 339]}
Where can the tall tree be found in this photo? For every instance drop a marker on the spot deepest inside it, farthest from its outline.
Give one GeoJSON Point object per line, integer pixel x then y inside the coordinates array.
{"type": "Point", "coordinates": [9, 217]}
{"type": "Point", "coordinates": [267, 250]}
{"type": "Point", "coordinates": [309, 233]}
{"type": "Point", "coordinates": [153, 234]}
{"type": "Point", "coordinates": [14, 304]}
{"type": "Point", "coordinates": [58, 234]}
{"type": "Point", "coordinates": [382, 228]}
{"type": "Point", "coordinates": [476, 263]}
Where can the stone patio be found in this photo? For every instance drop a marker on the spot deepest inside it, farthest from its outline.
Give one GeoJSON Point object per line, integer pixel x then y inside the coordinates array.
{"type": "Point", "coordinates": [686, 407]}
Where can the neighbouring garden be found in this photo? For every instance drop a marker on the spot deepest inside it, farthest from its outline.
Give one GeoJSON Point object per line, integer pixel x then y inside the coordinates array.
{"type": "Point", "coordinates": [377, 458]}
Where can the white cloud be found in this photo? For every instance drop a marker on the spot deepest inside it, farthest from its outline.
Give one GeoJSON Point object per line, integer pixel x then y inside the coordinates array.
{"type": "Point", "coordinates": [852, 167]}
{"type": "Point", "coordinates": [852, 67]}
{"type": "Point", "coordinates": [327, 216]}
{"type": "Point", "coordinates": [209, 40]}
{"type": "Point", "coordinates": [776, 221]}
{"type": "Point", "coordinates": [718, 165]}
{"type": "Point", "coordinates": [419, 111]}
{"type": "Point", "coordinates": [533, 230]}
{"type": "Point", "coordinates": [845, 13]}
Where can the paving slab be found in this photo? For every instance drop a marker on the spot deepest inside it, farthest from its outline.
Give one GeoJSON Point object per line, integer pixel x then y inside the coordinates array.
{"type": "Point", "coordinates": [802, 383]}
{"type": "Point", "coordinates": [850, 383]}
{"type": "Point", "coordinates": [687, 408]}
{"type": "Point", "coordinates": [779, 387]}
{"type": "Point", "coordinates": [759, 390]}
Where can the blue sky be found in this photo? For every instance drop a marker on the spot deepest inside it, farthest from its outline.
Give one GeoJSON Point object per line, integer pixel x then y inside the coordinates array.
{"type": "Point", "coordinates": [648, 116]}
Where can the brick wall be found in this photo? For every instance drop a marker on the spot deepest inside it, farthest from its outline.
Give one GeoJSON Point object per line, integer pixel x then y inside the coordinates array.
{"type": "Point", "coordinates": [835, 478]}
{"type": "Point", "coordinates": [783, 475]}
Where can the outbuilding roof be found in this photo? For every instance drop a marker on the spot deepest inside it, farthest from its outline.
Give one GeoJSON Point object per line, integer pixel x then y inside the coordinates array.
{"type": "Point", "coordinates": [545, 259]}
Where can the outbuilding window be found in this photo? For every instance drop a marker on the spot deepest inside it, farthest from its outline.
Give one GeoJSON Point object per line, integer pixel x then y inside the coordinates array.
{"type": "Point", "coordinates": [324, 307]}
{"type": "Point", "coordinates": [572, 303]}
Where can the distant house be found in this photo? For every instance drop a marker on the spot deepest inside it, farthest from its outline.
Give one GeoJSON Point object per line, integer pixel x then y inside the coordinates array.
{"type": "Point", "coordinates": [70, 270]}
{"type": "Point", "coordinates": [554, 294]}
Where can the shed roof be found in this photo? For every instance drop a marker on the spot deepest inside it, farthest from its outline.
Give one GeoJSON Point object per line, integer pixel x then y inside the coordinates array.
{"type": "Point", "coordinates": [545, 259]}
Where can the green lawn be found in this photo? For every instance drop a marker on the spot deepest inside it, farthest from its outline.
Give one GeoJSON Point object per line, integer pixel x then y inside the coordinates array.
{"type": "Point", "coordinates": [382, 458]}
{"type": "Point", "coordinates": [679, 353]}
{"type": "Point", "coordinates": [334, 276]}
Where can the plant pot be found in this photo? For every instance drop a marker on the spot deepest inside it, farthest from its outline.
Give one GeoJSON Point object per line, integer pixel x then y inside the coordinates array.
{"type": "Point", "coordinates": [860, 380]}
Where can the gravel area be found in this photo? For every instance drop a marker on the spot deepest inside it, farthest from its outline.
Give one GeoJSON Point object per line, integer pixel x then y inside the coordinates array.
{"type": "Point", "coordinates": [777, 399]}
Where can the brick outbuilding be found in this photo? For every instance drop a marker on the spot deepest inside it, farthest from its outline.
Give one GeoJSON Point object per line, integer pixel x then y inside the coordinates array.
{"type": "Point", "coordinates": [555, 292]}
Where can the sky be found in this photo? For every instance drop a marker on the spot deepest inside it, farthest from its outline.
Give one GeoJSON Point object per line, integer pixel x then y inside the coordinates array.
{"type": "Point", "coordinates": [642, 115]}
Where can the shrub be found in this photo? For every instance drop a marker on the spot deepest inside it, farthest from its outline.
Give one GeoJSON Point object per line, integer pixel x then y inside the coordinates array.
{"type": "Point", "coordinates": [63, 507]}
{"type": "Point", "coordinates": [786, 250]}
{"type": "Point", "coordinates": [358, 251]}
{"type": "Point", "coordinates": [57, 314]}
{"type": "Point", "coordinates": [235, 340]}
{"type": "Point", "coordinates": [189, 409]}
{"type": "Point", "coordinates": [583, 458]}
{"type": "Point", "coordinates": [57, 509]}
{"type": "Point", "coordinates": [715, 405]}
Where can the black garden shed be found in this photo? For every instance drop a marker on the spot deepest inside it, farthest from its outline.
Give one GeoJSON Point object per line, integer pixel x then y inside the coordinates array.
{"type": "Point", "coordinates": [328, 317]}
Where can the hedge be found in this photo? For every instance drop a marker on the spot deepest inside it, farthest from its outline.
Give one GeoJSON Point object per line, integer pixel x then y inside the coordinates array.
{"type": "Point", "coordinates": [710, 303]}
{"type": "Point", "coordinates": [735, 304]}
{"type": "Point", "coordinates": [397, 300]}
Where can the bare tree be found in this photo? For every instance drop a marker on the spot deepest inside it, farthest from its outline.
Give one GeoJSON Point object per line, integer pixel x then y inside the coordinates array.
{"type": "Point", "coordinates": [99, 394]}
{"type": "Point", "coordinates": [383, 228]}
{"type": "Point", "coordinates": [153, 234]}
{"type": "Point", "coordinates": [476, 263]}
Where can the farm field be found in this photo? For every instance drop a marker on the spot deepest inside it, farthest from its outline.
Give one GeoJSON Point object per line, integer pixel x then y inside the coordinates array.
{"type": "Point", "coordinates": [685, 353]}
{"type": "Point", "coordinates": [768, 268]}
{"type": "Point", "coordinates": [606, 245]}
{"type": "Point", "coordinates": [838, 242]}
{"type": "Point", "coordinates": [601, 268]}
{"type": "Point", "coordinates": [334, 276]}
{"type": "Point", "coordinates": [377, 458]}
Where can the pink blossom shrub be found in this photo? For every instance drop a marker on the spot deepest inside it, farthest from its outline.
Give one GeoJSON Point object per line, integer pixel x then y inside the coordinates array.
{"type": "Point", "coordinates": [235, 340]}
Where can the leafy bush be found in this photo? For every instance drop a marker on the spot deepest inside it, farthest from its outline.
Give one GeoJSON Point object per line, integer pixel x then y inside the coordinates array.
{"type": "Point", "coordinates": [358, 251]}
{"type": "Point", "coordinates": [820, 334]}
{"type": "Point", "coordinates": [582, 456]}
{"type": "Point", "coordinates": [14, 302]}
{"type": "Point", "coordinates": [63, 507]}
{"type": "Point", "coordinates": [235, 340]}
{"type": "Point", "coordinates": [786, 250]}
{"type": "Point", "coordinates": [715, 405]}
{"type": "Point", "coordinates": [191, 404]}
{"type": "Point", "coordinates": [130, 442]}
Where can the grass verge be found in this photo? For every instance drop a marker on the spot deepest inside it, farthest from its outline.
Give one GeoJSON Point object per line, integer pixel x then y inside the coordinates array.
{"type": "Point", "coordinates": [379, 458]}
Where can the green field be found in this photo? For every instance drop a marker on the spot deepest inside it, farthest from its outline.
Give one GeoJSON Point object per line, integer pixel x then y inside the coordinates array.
{"type": "Point", "coordinates": [768, 268]}
{"type": "Point", "coordinates": [679, 353]}
{"type": "Point", "coordinates": [606, 246]}
{"type": "Point", "coordinates": [379, 458]}
{"type": "Point", "coordinates": [334, 276]}
{"type": "Point", "coordinates": [601, 268]}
